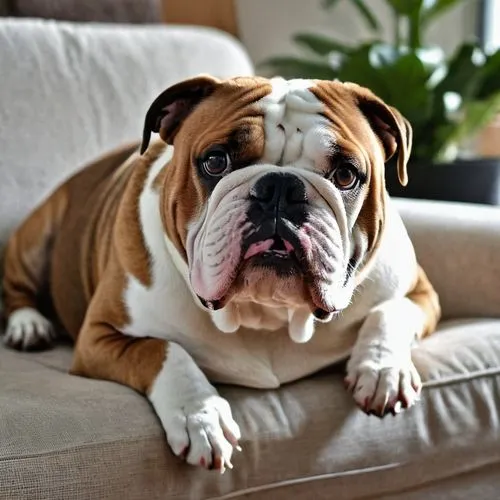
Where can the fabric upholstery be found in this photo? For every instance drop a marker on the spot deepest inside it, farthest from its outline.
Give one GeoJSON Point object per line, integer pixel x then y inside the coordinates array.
{"type": "Point", "coordinates": [458, 245]}
{"type": "Point", "coordinates": [68, 437]}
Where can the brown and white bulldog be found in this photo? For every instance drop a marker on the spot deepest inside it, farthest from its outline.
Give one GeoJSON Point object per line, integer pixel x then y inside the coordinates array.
{"type": "Point", "coordinates": [255, 247]}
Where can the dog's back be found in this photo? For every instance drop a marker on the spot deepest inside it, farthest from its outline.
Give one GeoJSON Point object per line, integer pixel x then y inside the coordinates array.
{"type": "Point", "coordinates": [84, 207]}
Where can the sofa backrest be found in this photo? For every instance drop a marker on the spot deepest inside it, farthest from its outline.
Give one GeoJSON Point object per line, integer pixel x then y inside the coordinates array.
{"type": "Point", "coordinates": [70, 92]}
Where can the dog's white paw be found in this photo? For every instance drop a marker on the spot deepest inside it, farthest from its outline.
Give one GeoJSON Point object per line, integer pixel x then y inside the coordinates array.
{"type": "Point", "coordinates": [380, 388]}
{"type": "Point", "coordinates": [203, 432]}
{"type": "Point", "coordinates": [28, 329]}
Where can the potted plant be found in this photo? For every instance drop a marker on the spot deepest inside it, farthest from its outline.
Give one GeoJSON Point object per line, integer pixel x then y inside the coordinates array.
{"type": "Point", "coordinates": [448, 100]}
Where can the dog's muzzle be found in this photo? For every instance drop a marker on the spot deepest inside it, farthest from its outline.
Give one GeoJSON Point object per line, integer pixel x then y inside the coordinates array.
{"type": "Point", "coordinates": [278, 207]}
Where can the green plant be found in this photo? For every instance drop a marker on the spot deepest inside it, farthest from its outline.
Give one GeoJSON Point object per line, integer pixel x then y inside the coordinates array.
{"type": "Point", "coordinates": [445, 99]}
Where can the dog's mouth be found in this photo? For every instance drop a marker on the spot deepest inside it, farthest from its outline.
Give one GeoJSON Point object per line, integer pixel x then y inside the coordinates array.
{"type": "Point", "coordinates": [283, 255]}
{"type": "Point", "coordinates": [276, 252]}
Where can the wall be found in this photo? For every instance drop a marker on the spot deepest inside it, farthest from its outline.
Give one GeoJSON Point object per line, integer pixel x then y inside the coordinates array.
{"type": "Point", "coordinates": [266, 26]}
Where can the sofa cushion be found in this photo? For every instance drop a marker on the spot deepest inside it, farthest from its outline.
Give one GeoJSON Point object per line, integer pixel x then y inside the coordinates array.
{"type": "Point", "coordinates": [67, 437]}
{"type": "Point", "coordinates": [70, 92]}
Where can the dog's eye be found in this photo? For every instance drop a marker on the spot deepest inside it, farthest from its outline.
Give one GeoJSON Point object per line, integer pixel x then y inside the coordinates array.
{"type": "Point", "coordinates": [215, 162]}
{"type": "Point", "coordinates": [345, 176]}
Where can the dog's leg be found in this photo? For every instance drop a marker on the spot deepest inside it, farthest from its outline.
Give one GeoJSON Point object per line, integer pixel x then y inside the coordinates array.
{"type": "Point", "coordinates": [198, 423]}
{"type": "Point", "coordinates": [26, 266]}
{"type": "Point", "coordinates": [380, 371]}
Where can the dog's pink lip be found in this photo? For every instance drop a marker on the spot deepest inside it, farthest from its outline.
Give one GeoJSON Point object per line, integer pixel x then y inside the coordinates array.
{"type": "Point", "coordinates": [264, 246]}
{"type": "Point", "coordinates": [259, 247]}
{"type": "Point", "coordinates": [288, 246]}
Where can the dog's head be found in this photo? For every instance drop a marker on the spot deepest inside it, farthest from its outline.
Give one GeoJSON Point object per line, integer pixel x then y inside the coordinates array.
{"type": "Point", "coordinates": [275, 193]}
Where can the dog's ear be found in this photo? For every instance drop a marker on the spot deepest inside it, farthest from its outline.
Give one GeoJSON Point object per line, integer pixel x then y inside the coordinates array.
{"type": "Point", "coordinates": [173, 105]}
{"type": "Point", "coordinates": [389, 124]}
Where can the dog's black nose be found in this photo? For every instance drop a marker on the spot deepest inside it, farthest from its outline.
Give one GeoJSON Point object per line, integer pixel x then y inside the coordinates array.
{"type": "Point", "coordinates": [279, 190]}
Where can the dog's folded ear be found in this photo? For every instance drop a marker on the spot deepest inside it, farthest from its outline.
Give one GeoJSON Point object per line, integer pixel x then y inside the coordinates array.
{"type": "Point", "coordinates": [173, 105]}
{"type": "Point", "coordinates": [392, 128]}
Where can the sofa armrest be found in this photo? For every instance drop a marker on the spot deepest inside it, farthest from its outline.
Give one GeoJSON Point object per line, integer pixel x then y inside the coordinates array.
{"type": "Point", "coordinates": [458, 245]}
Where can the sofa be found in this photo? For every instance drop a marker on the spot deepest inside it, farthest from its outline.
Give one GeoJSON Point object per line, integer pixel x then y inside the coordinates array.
{"type": "Point", "coordinates": [70, 92]}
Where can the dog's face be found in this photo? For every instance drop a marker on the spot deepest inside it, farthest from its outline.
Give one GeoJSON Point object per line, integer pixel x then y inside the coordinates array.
{"type": "Point", "coordinates": [275, 193]}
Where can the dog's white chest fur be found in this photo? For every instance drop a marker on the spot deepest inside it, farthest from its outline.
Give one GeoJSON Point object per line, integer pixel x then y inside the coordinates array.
{"type": "Point", "coordinates": [152, 308]}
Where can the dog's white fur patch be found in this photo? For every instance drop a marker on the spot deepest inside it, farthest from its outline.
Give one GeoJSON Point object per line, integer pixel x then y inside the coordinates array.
{"type": "Point", "coordinates": [296, 132]}
{"type": "Point", "coordinates": [146, 305]}
{"type": "Point", "coordinates": [380, 371]}
{"type": "Point", "coordinates": [27, 328]}
{"type": "Point", "coordinates": [197, 421]}
{"type": "Point", "coordinates": [300, 325]}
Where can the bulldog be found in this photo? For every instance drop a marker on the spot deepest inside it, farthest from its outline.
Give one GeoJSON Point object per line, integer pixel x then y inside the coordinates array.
{"type": "Point", "coordinates": [252, 243]}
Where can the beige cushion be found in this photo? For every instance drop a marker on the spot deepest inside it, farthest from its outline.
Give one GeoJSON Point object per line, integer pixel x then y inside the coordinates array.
{"type": "Point", "coordinates": [67, 437]}
{"type": "Point", "coordinates": [458, 245]}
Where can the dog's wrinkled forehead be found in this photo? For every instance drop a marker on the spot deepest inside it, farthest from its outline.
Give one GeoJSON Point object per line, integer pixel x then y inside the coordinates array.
{"type": "Point", "coordinates": [296, 131]}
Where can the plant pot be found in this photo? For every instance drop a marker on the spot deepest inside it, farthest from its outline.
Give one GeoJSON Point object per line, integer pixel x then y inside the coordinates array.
{"type": "Point", "coordinates": [469, 181]}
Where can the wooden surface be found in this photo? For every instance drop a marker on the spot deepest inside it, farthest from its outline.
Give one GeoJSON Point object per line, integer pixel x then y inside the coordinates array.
{"type": "Point", "coordinates": [488, 141]}
{"type": "Point", "coordinates": [215, 13]}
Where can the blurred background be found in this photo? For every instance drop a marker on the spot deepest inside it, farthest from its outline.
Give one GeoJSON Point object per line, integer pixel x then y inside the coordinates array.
{"type": "Point", "coordinates": [437, 61]}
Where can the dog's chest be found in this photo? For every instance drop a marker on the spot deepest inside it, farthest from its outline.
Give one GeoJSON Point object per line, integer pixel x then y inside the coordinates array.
{"type": "Point", "coordinates": [248, 357]}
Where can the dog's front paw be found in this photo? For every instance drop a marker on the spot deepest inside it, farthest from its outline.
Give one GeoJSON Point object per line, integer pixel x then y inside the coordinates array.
{"type": "Point", "coordinates": [27, 329]}
{"type": "Point", "coordinates": [203, 432]}
{"type": "Point", "coordinates": [380, 388]}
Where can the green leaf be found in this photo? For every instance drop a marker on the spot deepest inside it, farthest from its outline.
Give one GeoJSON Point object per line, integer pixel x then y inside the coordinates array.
{"type": "Point", "coordinates": [406, 86]}
{"type": "Point", "coordinates": [320, 44]}
{"type": "Point", "coordinates": [357, 68]}
{"type": "Point", "coordinates": [406, 7]}
{"type": "Point", "coordinates": [367, 14]}
{"type": "Point", "coordinates": [297, 67]}
{"type": "Point", "coordinates": [410, 9]}
{"type": "Point", "coordinates": [490, 77]}
{"type": "Point", "coordinates": [434, 9]}
{"type": "Point", "coordinates": [463, 75]}
{"type": "Point", "coordinates": [398, 77]}
{"type": "Point", "coordinates": [383, 54]}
